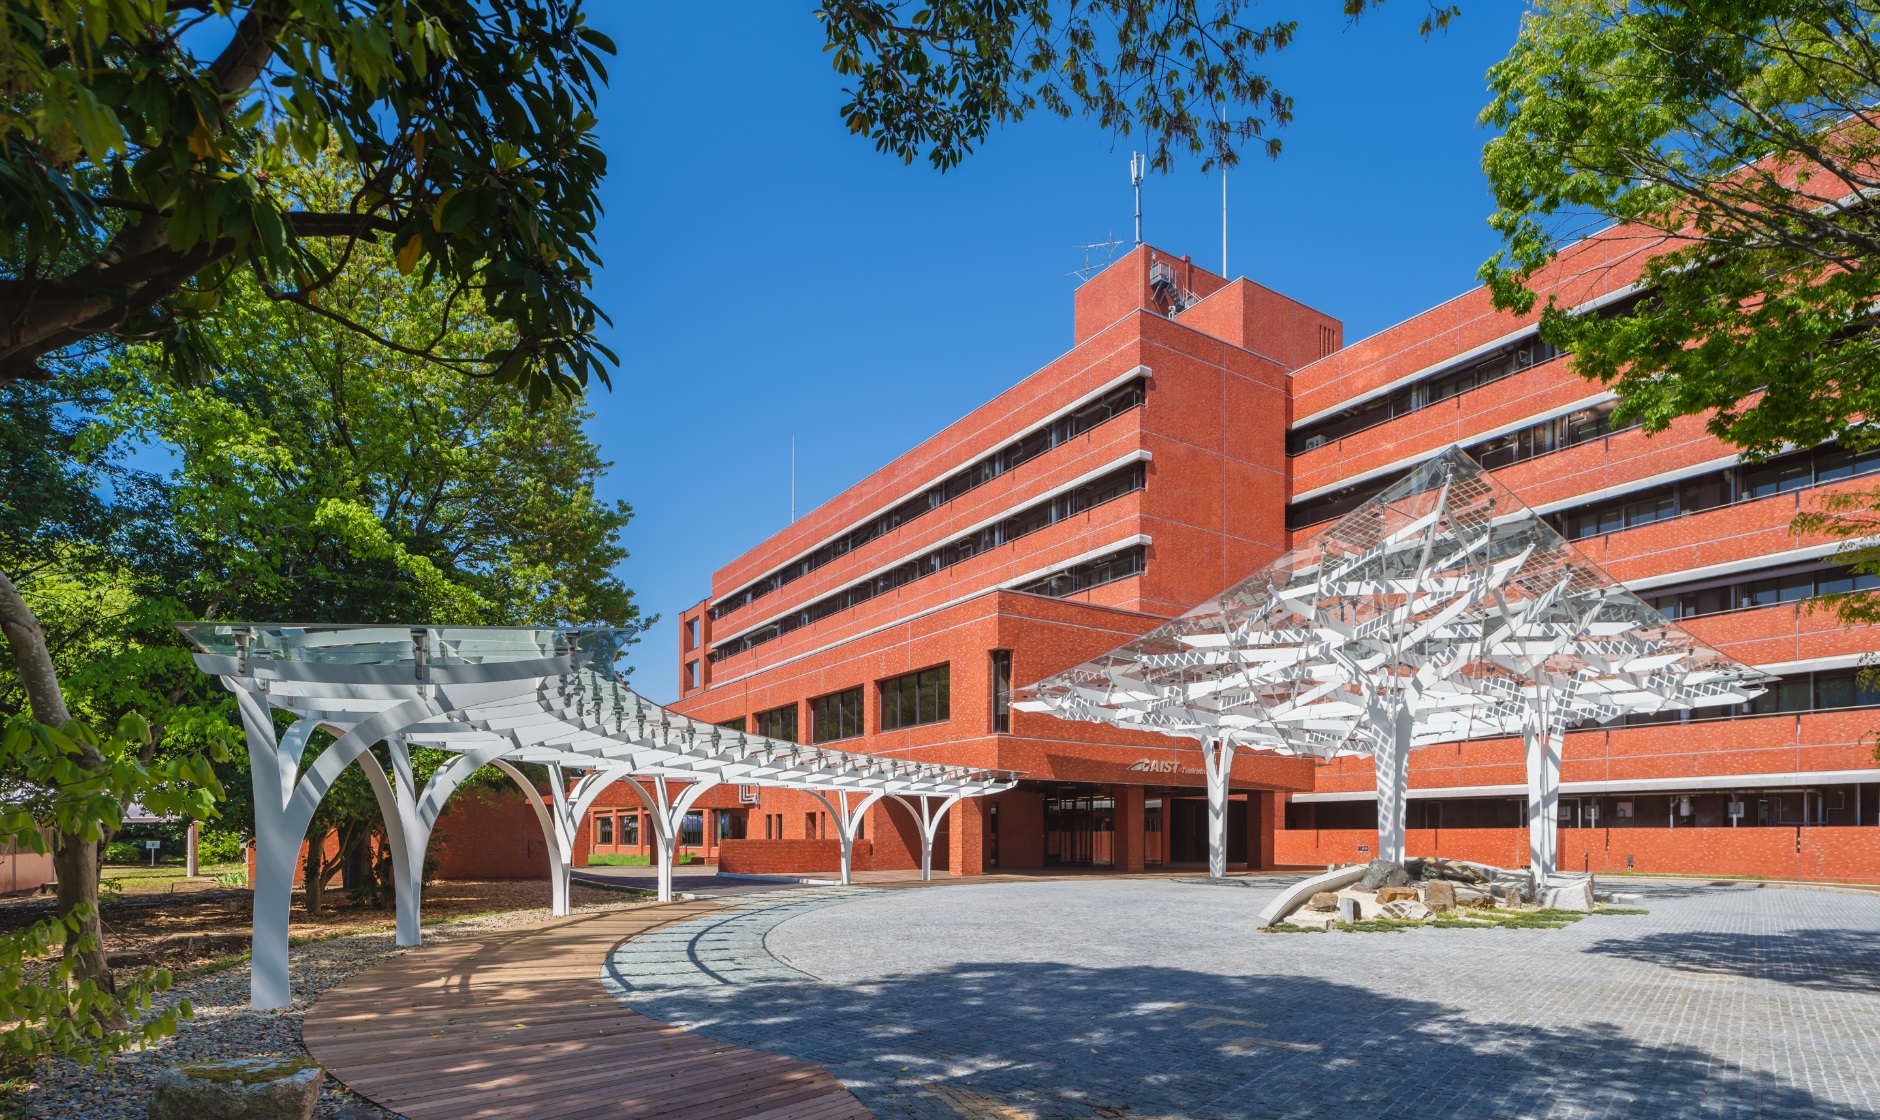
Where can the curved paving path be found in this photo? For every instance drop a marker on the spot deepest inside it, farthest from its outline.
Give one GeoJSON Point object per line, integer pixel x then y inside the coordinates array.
{"type": "Point", "coordinates": [1153, 999]}
{"type": "Point", "coordinates": [517, 1024]}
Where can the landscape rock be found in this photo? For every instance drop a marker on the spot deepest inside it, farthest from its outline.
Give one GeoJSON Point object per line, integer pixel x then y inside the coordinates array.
{"type": "Point", "coordinates": [1324, 900]}
{"type": "Point", "coordinates": [1455, 871]}
{"type": "Point", "coordinates": [1347, 909]}
{"type": "Point", "coordinates": [1406, 910]}
{"type": "Point", "coordinates": [239, 1089]}
{"type": "Point", "coordinates": [1439, 895]}
{"type": "Point", "coordinates": [1572, 895]}
{"type": "Point", "coordinates": [1383, 873]}
{"type": "Point", "coordinates": [1395, 894]}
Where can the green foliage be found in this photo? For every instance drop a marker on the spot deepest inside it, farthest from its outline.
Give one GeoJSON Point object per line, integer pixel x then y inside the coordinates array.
{"type": "Point", "coordinates": [1729, 145]}
{"type": "Point", "coordinates": [935, 78]}
{"type": "Point", "coordinates": [139, 177]}
{"type": "Point", "coordinates": [617, 859]}
{"type": "Point", "coordinates": [1620, 910]}
{"type": "Point", "coordinates": [46, 1013]}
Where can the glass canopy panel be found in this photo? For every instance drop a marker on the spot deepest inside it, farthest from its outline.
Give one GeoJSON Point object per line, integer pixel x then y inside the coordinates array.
{"type": "Point", "coordinates": [1445, 595]}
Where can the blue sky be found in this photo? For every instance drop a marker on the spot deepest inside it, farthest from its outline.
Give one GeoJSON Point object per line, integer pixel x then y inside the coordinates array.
{"type": "Point", "coordinates": [770, 276]}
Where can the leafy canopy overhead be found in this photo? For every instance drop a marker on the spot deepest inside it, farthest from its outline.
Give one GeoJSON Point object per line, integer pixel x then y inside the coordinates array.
{"type": "Point", "coordinates": [934, 76]}
{"type": "Point", "coordinates": [1735, 143]}
{"type": "Point", "coordinates": [141, 142]}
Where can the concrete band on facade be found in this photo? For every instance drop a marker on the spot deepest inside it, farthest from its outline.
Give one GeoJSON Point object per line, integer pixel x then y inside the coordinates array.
{"type": "Point", "coordinates": [1232, 368]}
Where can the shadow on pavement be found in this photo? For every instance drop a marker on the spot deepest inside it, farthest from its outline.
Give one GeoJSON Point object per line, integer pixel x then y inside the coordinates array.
{"type": "Point", "coordinates": [1060, 1041]}
{"type": "Point", "coordinates": [1826, 959]}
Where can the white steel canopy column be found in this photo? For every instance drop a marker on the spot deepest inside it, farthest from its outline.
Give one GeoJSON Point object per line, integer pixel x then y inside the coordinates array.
{"type": "Point", "coordinates": [927, 819]}
{"type": "Point", "coordinates": [848, 820]}
{"type": "Point", "coordinates": [1217, 757]}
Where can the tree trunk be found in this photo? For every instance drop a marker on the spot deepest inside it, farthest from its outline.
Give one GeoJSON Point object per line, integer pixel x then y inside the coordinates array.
{"type": "Point", "coordinates": [312, 876]}
{"type": "Point", "coordinates": [74, 859]}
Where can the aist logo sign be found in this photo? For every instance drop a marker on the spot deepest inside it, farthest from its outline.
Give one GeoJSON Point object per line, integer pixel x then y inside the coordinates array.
{"type": "Point", "coordinates": [1160, 766]}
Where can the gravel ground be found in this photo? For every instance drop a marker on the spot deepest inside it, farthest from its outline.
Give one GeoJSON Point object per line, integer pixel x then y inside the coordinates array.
{"type": "Point", "coordinates": [224, 1027]}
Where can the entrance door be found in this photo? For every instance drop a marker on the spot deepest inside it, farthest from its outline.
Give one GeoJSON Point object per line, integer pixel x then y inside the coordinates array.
{"type": "Point", "coordinates": [1188, 830]}
{"type": "Point", "coordinates": [1080, 830]}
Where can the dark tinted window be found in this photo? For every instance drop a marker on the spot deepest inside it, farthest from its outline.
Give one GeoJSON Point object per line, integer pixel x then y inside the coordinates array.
{"type": "Point", "coordinates": [917, 698]}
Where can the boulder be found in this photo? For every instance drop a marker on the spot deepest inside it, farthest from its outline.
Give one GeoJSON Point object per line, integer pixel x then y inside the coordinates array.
{"type": "Point", "coordinates": [1574, 894]}
{"type": "Point", "coordinates": [1381, 873]}
{"type": "Point", "coordinates": [1454, 871]}
{"type": "Point", "coordinates": [1395, 894]}
{"type": "Point", "coordinates": [1324, 900]}
{"type": "Point", "coordinates": [1406, 910]}
{"type": "Point", "coordinates": [1347, 909]}
{"type": "Point", "coordinates": [1439, 895]}
{"type": "Point", "coordinates": [238, 1089]}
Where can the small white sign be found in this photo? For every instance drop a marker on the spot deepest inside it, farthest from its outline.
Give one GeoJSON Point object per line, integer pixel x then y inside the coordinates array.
{"type": "Point", "coordinates": [153, 845]}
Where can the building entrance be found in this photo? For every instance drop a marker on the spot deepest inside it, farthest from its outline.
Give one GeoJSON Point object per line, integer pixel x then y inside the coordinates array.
{"type": "Point", "coordinates": [1188, 830]}
{"type": "Point", "coordinates": [1080, 827]}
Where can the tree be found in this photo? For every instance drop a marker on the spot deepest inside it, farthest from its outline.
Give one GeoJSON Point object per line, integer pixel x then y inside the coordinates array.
{"type": "Point", "coordinates": [1732, 146]}
{"type": "Point", "coordinates": [141, 141]}
{"type": "Point", "coordinates": [934, 79]}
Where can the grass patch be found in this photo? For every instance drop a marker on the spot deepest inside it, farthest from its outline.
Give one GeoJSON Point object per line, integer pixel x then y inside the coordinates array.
{"type": "Point", "coordinates": [1620, 910]}
{"type": "Point", "coordinates": [612, 859]}
{"type": "Point", "coordinates": [1378, 925]}
{"type": "Point", "coordinates": [1290, 929]}
{"type": "Point", "coordinates": [209, 968]}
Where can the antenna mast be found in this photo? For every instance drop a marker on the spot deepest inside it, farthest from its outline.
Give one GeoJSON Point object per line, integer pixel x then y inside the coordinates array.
{"type": "Point", "coordinates": [1138, 163]}
{"type": "Point", "coordinates": [1225, 275]}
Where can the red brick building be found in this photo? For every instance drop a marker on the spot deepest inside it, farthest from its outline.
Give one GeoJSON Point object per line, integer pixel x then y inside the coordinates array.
{"type": "Point", "coordinates": [1198, 428]}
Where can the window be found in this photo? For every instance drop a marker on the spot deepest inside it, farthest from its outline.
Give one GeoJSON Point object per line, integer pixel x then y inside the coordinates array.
{"type": "Point", "coordinates": [691, 634]}
{"type": "Point", "coordinates": [810, 821]}
{"type": "Point", "coordinates": [730, 826]}
{"type": "Point", "coordinates": [1026, 448]}
{"type": "Point", "coordinates": [836, 716]}
{"type": "Point", "coordinates": [1773, 589]}
{"type": "Point", "coordinates": [1744, 483]}
{"type": "Point", "coordinates": [734, 724]}
{"type": "Point", "coordinates": [1091, 573]}
{"type": "Point", "coordinates": [692, 829]}
{"type": "Point", "coordinates": [779, 723]}
{"type": "Point", "coordinates": [604, 830]}
{"type": "Point", "coordinates": [1434, 389]}
{"type": "Point", "coordinates": [1558, 434]}
{"type": "Point", "coordinates": [630, 829]}
{"type": "Point", "coordinates": [691, 674]}
{"type": "Point", "coordinates": [1040, 515]}
{"type": "Point", "coordinates": [1002, 690]}
{"type": "Point", "coordinates": [917, 698]}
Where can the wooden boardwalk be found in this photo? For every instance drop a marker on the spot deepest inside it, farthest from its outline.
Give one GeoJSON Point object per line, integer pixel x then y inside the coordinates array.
{"type": "Point", "coordinates": [516, 1024]}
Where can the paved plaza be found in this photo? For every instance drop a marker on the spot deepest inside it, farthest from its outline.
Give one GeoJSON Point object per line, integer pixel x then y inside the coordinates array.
{"type": "Point", "coordinates": [1157, 998]}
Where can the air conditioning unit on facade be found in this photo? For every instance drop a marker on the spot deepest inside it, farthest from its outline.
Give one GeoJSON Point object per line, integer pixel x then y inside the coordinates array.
{"type": "Point", "coordinates": [1314, 442]}
{"type": "Point", "coordinates": [747, 795]}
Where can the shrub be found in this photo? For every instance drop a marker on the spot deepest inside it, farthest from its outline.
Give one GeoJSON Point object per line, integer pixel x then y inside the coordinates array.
{"type": "Point", "coordinates": [610, 859]}
{"type": "Point", "coordinates": [221, 847]}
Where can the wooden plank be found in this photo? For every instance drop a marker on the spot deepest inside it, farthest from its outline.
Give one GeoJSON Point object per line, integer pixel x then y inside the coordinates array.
{"type": "Point", "coordinates": [518, 1022]}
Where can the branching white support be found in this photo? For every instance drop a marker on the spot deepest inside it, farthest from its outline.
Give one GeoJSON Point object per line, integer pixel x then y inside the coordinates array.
{"type": "Point", "coordinates": [395, 811]}
{"type": "Point", "coordinates": [1217, 756]}
{"type": "Point", "coordinates": [284, 808]}
{"type": "Point", "coordinates": [928, 819]}
{"type": "Point", "coordinates": [1544, 746]}
{"type": "Point", "coordinates": [848, 820]}
{"type": "Point", "coordinates": [1392, 762]}
{"type": "Point", "coordinates": [668, 815]}
{"type": "Point", "coordinates": [560, 857]}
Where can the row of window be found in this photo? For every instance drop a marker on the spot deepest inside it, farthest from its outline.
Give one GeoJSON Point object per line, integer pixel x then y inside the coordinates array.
{"type": "Point", "coordinates": [1580, 426]}
{"type": "Point", "coordinates": [1023, 450]}
{"type": "Point", "coordinates": [1796, 692]}
{"type": "Point", "coordinates": [1742, 483]}
{"type": "Point", "coordinates": [909, 700]}
{"type": "Point", "coordinates": [1437, 387]}
{"type": "Point", "coordinates": [1789, 586]}
{"type": "Point", "coordinates": [1039, 515]}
